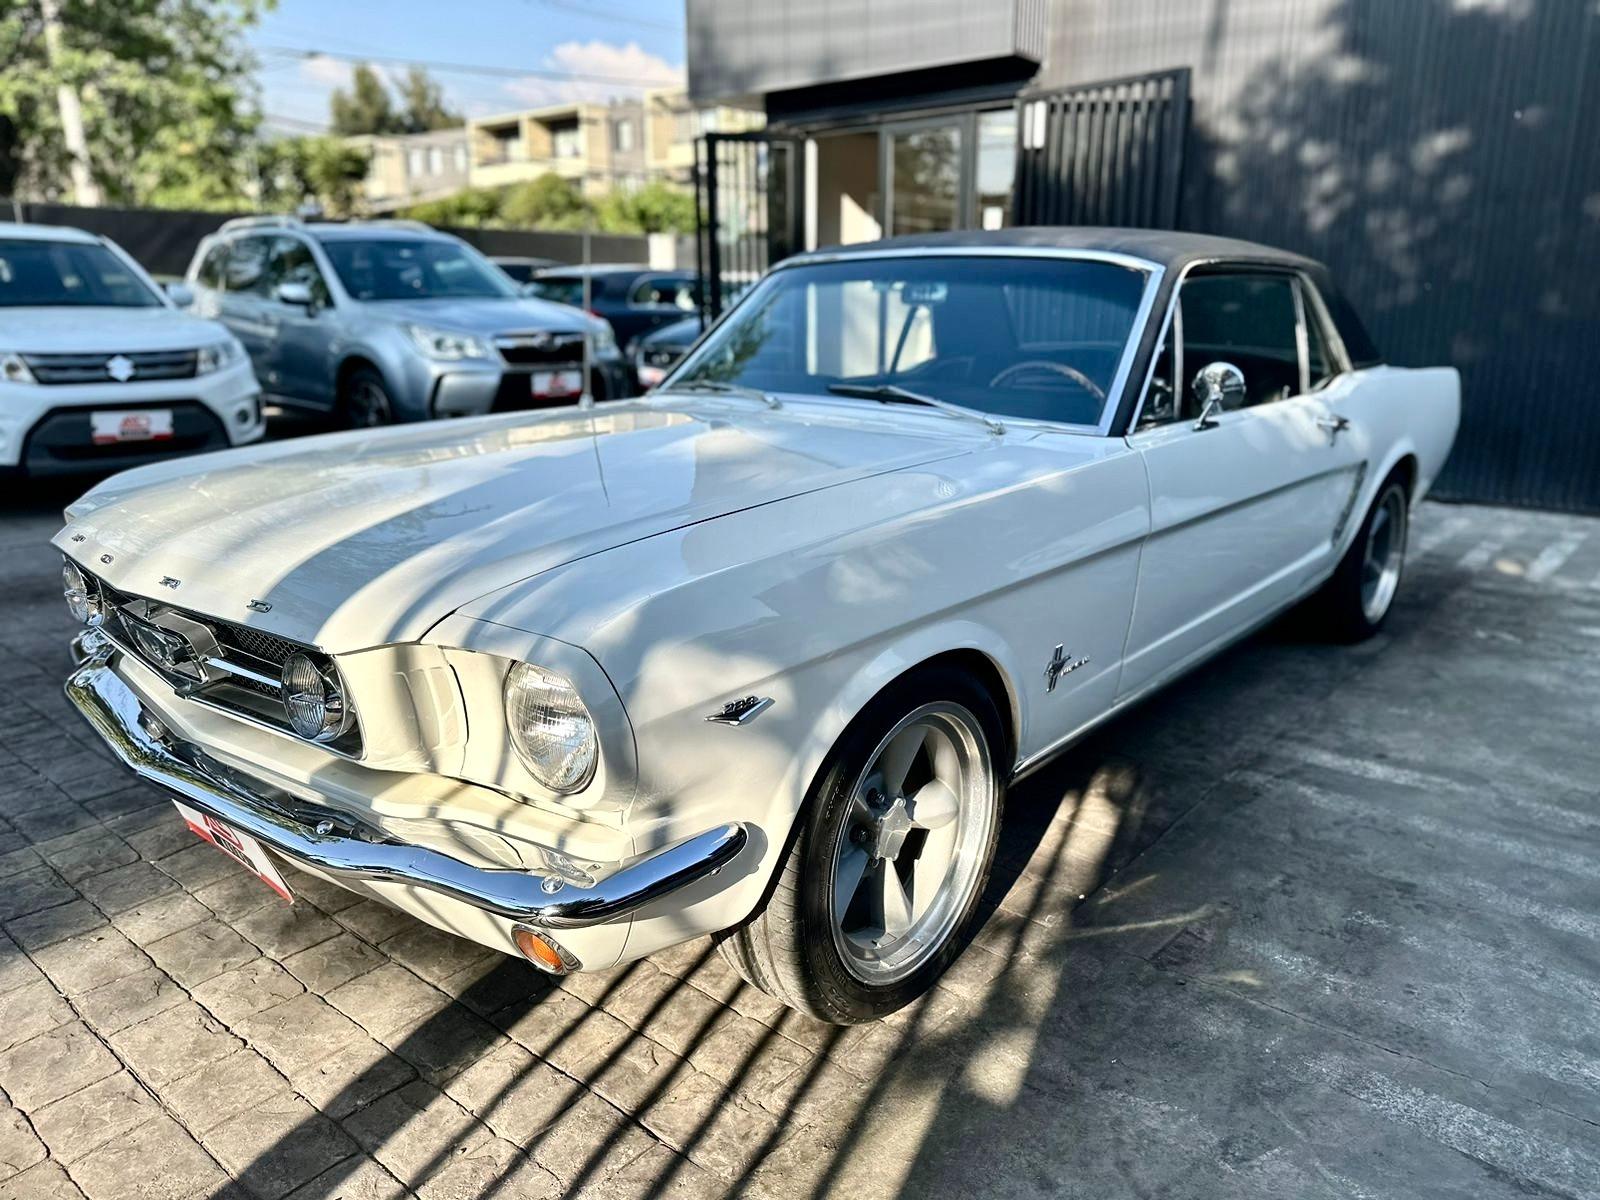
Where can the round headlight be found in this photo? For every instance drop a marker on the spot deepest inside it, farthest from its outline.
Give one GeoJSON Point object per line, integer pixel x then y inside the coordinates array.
{"type": "Point", "coordinates": [82, 596]}
{"type": "Point", "coordinates": [550, 728]}
{"type": "Point", "coordinates": [314, 699]}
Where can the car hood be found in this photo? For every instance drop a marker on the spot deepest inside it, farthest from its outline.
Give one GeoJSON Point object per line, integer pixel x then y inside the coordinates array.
{"type": "Point", "coordinates": [483, 316]}
{"type": "Point", "coordinates": [74, 329]}
{"type": "Point", "coordinates": [360, 539]}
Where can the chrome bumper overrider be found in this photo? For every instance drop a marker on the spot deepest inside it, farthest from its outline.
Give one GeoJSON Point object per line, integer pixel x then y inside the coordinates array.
{"type": "Point", "coordinates": [332, 843]}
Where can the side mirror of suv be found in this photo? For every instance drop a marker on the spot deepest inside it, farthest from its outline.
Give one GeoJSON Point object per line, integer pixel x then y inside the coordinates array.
{"type": "Point", "coordinates": [180, 293]}
{"type": "Point", "coordinates": [297, 294]}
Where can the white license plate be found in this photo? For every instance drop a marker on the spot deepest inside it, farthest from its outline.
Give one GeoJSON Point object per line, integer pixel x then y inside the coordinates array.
{"type": "Point", "coordinates": [557, 383]}
{"type": "Point", "coordinates": [131, 425]}
{"type": "Point", "coordinates": [240, 847]}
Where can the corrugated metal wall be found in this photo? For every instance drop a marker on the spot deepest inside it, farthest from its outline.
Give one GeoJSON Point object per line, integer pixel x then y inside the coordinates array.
{"type": "Point", "coordinates": [1441, 155]}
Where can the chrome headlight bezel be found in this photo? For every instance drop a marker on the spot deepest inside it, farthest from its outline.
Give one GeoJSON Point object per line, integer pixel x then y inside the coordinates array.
{"type": "Point", "coordinates": [218, 356]}
{"type": "Point", "coordinates": [602, 340]}
{"type": "Point", "coordinates": [447, 345]}
{"type": "Point", "coordinates": [315, 701]}
{"type": "Point", "coordinates": [82, 594]}
{"type": "Point", "coordinates": [564, 755]}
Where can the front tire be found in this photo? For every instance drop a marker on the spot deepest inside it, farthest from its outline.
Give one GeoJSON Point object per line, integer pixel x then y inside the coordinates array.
{"type": "Point", "coordinates": [1355, 602]}
{"type": "Point", "coordinates": [879, 890]}
{"type": "Point", "coordinates": [365, 403]}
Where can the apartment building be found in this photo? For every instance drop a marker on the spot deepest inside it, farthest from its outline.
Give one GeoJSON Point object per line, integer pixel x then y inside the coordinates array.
{"type": "Point", "coordinates": [414, 167]}
{"type": "Point", "coordinates": [673, 122]}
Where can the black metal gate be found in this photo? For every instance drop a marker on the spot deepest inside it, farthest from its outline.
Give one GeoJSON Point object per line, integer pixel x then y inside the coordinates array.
{"type": "Point", "coordinates": [749, 201]}
{"type": "Point", "coordinates": [1103, 153]}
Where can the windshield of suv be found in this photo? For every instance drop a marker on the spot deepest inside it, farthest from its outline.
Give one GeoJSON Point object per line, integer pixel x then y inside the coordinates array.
{"type": "Point", "coordinates": [59, 274]}
{"type": "Point", "coordinates": [420, 269]}
{"type": "Point", "coordinates": [1015, 336]}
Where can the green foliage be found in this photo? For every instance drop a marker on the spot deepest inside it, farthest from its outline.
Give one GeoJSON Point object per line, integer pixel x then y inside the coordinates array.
{"type": "Point", "coordinates": [320, 170]}
{"type": "Point", "coordinates": [550, 202]}
{"type": "Point", "coordinates": [472, 208]}
{"type": "Point", "coordinates": [422, 106]}
{"type": "Point", "coordinates": [370, 108]}
{"type": "Point", "coordinates": [165, 89]}
{"type": "Point", "coordinates": [655, 208]}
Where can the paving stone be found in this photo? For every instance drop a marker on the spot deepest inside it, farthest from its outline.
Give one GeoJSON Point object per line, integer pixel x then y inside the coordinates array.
{"type": "Point", "coordinates": [17, 858]}
{"type": "Point", "coordinates": [594, 1042]}
{"type": "Point", "coordinates": [77, 1124]}
{"type": "Point", "coordinates": [513, 1093]}
{"type": "Point", "coordinates": [373, 921]}
{"type": "Point", "coordinates": [53, 925]}
{"type": "Point", "coordinates": [278, 1145]}
{"type": "Point", "coordinates": [492, 1168]}
{"type": "Point", "coordinates": [300, 1032]}
{"type": "Point", "coordinates": [173, 1044]}
{"type": "Point", "coordinates": [353, 1078]}
{"type": "Point", "coordinates": [416, 1131]}
{"type": "Point", "coordinates": [357, 1178]}
{"type": "Point", "coordinates": [258, 985]}
{"type": "Point", "coordinates": [446, 1042]}
{"type": "Point", "coordinates": [325, 966]}
{"type": "Point", "coordinates": [660, 1173]}
{"type": "Point", "coordinates": [435, 955]}
{"type": "Point", "coordinates": [281, 929]}
{"type": "Point", "coordinates": [127, 801]}
{"type": "Point", "coordinates": [89, 852]}
{"type": "Point", "coordinates": [19, 1148]}
{"type": "Point", "coordinates": [128, 1000]}
{"type": "Point", "coordinates": [30, 1010]}
{"type": "Point", "coordinates": [16, 968]}
{"type": "Point", "coordinates": [59, 817]}
{"type": "Point", "coordinates": [698, 1118]}
{"type": "Point", "coordinates": [546, 1023]}
{"type": "Point", "coordinates": [219, 1090]}
{"type": "Point", "coordinates": [200, 864]}
{"type": "Point", "coordinates": [749, 1057]}
{"type": "Point", "coordinates": [90, 960]}
{"type": "Point", "coordinates": [388, 1002]}
{"type": "Point", "coordinates": [237, 895]}
{"type": "Point", "coordinates": [666, 1009]}
{"type": "Point", "coordinates": [162, 917]}
{"type": "Point", "coordinates": [498, 984]}
{"type": "Point", "coordinates": [200, 952]}
{"type": "Point", "coordinates": [635, 1073]}
{"type": "Point", "coordinates": [165, 1161]}
{"type": "Point", "coordinates": [31, 890]}
{"type": "Point", "coordinates": [591, 1138]}
{"type": "Point", "coordinates": [126, 887]}
{"type": "Point", "coordinates": [161, 838]}
{"type": "Point", "coordinates": [45, 1181]}
{"type": "Point", "coordinates": [52, 1065]}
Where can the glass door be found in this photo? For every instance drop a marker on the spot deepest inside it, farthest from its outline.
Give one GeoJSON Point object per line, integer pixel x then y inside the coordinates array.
{"type": "Point", "coordinates": [924, 172]}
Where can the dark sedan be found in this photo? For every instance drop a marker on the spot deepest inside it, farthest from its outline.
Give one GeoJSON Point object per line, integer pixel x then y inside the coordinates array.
{"type": "Point", "coordinates": [634, 299]}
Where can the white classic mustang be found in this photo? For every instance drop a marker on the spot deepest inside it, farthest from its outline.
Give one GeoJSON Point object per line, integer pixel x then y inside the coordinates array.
{"type": "Point", "coordinates": [757, 655]}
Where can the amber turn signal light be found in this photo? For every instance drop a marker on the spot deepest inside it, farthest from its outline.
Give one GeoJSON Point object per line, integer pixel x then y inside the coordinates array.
{"type": "Point", "coordinates": [542, 952]}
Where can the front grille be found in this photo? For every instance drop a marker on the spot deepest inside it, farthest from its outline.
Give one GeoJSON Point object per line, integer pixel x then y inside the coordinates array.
{"type": "Point", "coordinates": [540, 349]}
{"type": "Point", "coordinates": [96, 368]}
{"type": "Point", "coordinates": [242, 677]}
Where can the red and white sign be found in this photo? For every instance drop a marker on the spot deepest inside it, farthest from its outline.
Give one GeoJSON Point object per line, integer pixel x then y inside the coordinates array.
{"type": "Point", "coordinates": [240, 847]}
{"type": "Point", "coordinates": [548, 385]}
{"type": "Point", "coordinates": [131, 425]}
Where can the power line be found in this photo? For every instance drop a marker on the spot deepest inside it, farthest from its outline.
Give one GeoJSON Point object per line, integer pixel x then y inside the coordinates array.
{"type": "Point", "coordinates": [471, 68]}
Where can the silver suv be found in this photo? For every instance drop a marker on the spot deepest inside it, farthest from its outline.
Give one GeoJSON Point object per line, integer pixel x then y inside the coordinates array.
{"type": "Point", "coordinates": [381, 321]}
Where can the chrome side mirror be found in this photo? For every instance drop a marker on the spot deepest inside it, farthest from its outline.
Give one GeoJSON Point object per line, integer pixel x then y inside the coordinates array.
{"type": "Point", "coordinates": [297, 294]}
{"type": "Point", "coordinates": [1219, 387]}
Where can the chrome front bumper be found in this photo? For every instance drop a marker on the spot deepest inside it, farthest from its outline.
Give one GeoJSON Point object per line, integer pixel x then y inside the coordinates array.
{"type": "Point", "coordinates": [332, 843]}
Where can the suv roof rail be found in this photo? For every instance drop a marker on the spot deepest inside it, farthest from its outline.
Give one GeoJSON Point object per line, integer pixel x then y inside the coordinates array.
{"type": "Point", "coordinates": [278, 221]}
{"type": "Point", "coordinates": [399, 223]}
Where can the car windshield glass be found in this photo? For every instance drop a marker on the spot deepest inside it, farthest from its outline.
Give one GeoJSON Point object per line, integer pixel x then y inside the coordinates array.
{"type": "Point", "coordinates": [400, 269]}
{"type": "Point", "coordinates": [62, 274]}
{"type": "Point", "coordinates": [1021, 337]}
{"type": "Point", "coordinates": [561, 290]}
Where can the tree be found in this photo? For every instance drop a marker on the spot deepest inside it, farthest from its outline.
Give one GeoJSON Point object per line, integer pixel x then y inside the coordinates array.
{"type": "Point", "coordinates": [165, 88]}
{"type": "Point", "coordinates": [422, 104]}
{"type": "Point", "coordinates": [657, 207]}
{"type": "Point", "coordinates": [471, 208]}
{"type": "Point", "coordinates": [301, 170]}
{"type": "Point", "coordinates": [548, 202]}
{"type": "Point", "coordinates": [366, 107]}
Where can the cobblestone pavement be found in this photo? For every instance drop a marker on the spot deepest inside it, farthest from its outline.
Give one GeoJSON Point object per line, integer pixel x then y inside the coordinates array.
{"type": "Point", "coordinates": [1341, 938]}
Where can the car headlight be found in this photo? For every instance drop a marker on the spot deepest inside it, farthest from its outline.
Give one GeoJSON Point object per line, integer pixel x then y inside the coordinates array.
{"type": "Point", "coordinates": [444, 346]}
{"type": "Point", "coordinates": [313, 697]}
{"type": "Point", "coordinates": [602, 340]}
{"type": "Point", "coordinates": [14, 370]}
{"type": "Point", "coordinates": [82, 595]}
{"type": "Point", "coordinates": [217, 356]}
{"type": "Point", "coordinates": [551, 729]}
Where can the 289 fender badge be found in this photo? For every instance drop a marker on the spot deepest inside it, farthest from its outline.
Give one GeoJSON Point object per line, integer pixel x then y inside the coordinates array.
{"type": "Point", "coordinates": [1060, 665]}
{"type": "Point", "coordinates": [741, 712]}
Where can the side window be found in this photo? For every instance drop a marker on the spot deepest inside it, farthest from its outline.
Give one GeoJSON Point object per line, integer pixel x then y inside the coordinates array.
{"type": "Point", "coordinates": [1320, 359]}
{"type": "Point", "coordinates": [1248, 320]}
{"type": "Point", "coordinates": [247, 266]}
{"type": "Point", "coordinates": [668, 291]}
{"type": "Point", "coordinates": [291, 262]}
{"type": "Point", "coordinates": [1162, 404]}
{"type": "Point", "coordinates": [213, 268]}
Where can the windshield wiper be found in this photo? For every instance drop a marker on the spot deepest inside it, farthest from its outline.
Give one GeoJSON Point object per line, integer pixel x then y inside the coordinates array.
{"type": "Point", "coordinates": [892, 393]}
{"type": "Point", "coordinates": [718, 387]}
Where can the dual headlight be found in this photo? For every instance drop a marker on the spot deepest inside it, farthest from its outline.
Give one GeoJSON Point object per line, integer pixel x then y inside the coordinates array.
{"type": "Point", "coordinates": [218, 355]}
{"type": "Point", "coordinates": [313, 698]}
{"type": "Point", "coordinates": [443, 345]}
{"type": "Point", "coordinates": [550, 728]}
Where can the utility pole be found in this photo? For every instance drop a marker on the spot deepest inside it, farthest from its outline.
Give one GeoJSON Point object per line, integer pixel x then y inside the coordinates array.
{"type": "Point", "coordinates": [84, 191]}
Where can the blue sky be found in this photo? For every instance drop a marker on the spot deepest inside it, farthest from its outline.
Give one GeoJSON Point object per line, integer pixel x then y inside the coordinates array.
{"type": "Point", "coordinates": [639, 40]}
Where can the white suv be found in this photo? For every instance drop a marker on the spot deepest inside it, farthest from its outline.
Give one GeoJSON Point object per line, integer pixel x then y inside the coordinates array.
{"type": "Point", "coordinates": [99, 370]}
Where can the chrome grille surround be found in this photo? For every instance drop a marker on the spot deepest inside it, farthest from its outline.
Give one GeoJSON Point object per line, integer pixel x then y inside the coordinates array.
{"type": "Point", "coordinates": [237, 671]}
{"type": "Point", "coordinates": [146, 365]}
{"type": "Point", "coordinates": [540, 348]}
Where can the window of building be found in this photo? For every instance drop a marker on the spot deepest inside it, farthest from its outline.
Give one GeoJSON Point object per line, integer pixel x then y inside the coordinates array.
{"type": "Point", "coordinates": [414, 162]}
{"type": "Point", "coordinates": [996, 167]}
{"type": "Point", "coordinates": [461, 159]}
{"type": "Point", "coordinates": [435, 160]}
{"type": "Point", "coordinates": [564, 141]}
{"type": "Point", "coordinates": [623, 136]}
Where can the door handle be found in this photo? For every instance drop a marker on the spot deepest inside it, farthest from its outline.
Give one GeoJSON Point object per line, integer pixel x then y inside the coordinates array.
{"type": "Point", "coordinates": [1333, 425]}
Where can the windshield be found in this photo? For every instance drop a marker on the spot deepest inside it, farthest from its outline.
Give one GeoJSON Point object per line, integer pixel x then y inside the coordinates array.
{"type": "Point", "coordinates": [1021, 337]}
{"type": "Point", "coordinates": [398, 269]}
{"type": "Point", "coordinates": [61, 274]}
{"type": "Point", "coordinates": [561, 289]}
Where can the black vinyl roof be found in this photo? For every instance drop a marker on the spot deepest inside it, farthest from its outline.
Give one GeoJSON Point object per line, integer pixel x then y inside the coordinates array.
{"type": "Point", "coordinates": [1169, 248]}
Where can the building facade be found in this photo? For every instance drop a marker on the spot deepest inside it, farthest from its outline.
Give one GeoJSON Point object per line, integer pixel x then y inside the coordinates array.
{"type": "Point", "coordinates": [597, 146]}
{"type": "Point", "coordinates": [1437, 153]}
{"type": "Point", "coordinates": [410, 168]}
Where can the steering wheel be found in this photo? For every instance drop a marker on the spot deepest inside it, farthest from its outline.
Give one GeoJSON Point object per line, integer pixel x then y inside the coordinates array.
{"type": "Point", "coordinates": [1033, 364]}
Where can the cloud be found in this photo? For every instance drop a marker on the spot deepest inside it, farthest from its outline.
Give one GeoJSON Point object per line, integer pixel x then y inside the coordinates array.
{"type": "Point", "coordinates": [594, 58]}
{"type": "Point", "coordinates": [328, 72]}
